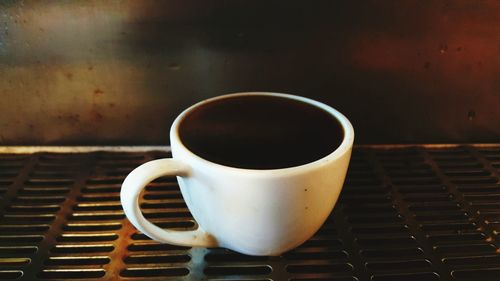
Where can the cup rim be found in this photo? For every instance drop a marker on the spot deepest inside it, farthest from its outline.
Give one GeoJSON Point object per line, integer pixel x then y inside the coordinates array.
{"type": "Point", "coordinates": [344, 146]}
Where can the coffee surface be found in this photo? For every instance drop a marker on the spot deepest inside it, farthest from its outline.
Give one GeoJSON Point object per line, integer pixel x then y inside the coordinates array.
{"type": "Point", "coordinates": [260, 132]}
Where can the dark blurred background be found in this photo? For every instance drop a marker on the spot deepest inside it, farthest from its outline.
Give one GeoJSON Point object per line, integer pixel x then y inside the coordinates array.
{"type": "Point", "coordinates": [118, 72]}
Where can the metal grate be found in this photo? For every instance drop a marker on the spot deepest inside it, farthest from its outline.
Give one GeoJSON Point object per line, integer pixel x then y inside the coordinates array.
{"type": "Point", "coordinates": [413, 213]}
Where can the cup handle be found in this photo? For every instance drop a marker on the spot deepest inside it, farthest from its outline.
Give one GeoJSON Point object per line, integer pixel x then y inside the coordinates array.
{"type": "Point", "coordinates": [129, 196]}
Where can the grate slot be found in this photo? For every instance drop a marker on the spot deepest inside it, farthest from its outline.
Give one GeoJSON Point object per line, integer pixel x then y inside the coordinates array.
{"type": "Point", "coordinates": [71, 273]}
{"type": "Point", "coordinates": [380, 230]}
{"type": "Point", "coordinates": [28, 217]}
{"type": "Point", "coordinates": [407, 265]}
{"type": "Point", "coordinates": [98, 198]}
{"type": "Point", "coordinates": [433, 206]}
{"type": "Point", "coordinates": [420, 276]}
{"type": "Point", "coordinates": [153, 247]}
{"type": "Point", "coordinates": [354, 191]}
{"type": "Point", "coordinates": [315, 242]}
{"type": "Point", "coordinates": [319, 268]}
{"type": "Point", "coordinates": [421, 198]}
{"type": "Point", "coordinates": [13, 164]}
{"type": "Point", "coordinates": [81, 216]}
{"type": "Point", "coordinates": [474, 180]}
{"type": "Point", "coordinates": [18, 250]}
{"type": "Point", "coordinates": [404, 167]}
{"type": "Point", "coordinates": [393, 253]}
{"type": "Point", "coordinates": [362, 196]}
{"type": "Point", "coordinates": [21, 228]}
{"type": "Point", "coordinates": [459, 164]}
{"type": "Point", "coordinates": [12, 157]}
{"type": "Point", "coordinates": [14, 261]}
{"type": "Point", "coordinates": [92, 226]}
{"type": "Point", "coordinates": [102, 189]}
{"type": "Point", "coordinates": [488, 198]}
{"type": "Point", "coordinates": [42, 191]}
{"type": "Point", "coordinates": [486, 274]}
{"type": "Point", "coordinates": [416, 181]}
{"type": "Point", "coordinates": [163, 195]}
{"type": "Point", "coordinates": [164, 180]}
{"type": "Point", "coordinates": [368, 209]}
{"type": "Point", "coordinates": [411, 173]}
{"type": "Point", "coordinates": [422, 189]}
{"type": "Point", "coordinates": [459, 226]}
{"type": "Point", "coordinates": [453, 157]}
{"type": "Point", "coordinates": [116, 157]}
{"type": "Point", "coordinates": [112, 162]}
{"type": "Point", "coordinates": [107, 206]}
{"type": "Point", "coordinates": [475, 188]}
{"type": "Point", "coordinates": [456, 238]}
{"type": "Point", "coordinates": [336, 278]}
{"type": "Point", "coordinates": [155, 187]}
{"type": "Point", "coordinates": [362, 181]}
{"type": "Point", "coordinates": [463, 173]}
{"type": "Point", "coordinates": [18, 238]}
{"type": "Point", "coordinates": [464, 249]}
{"type": "Point", "coordinates": [317, 255]}
{"type": "Point", "coordinates": [238, 270]}
{"type": "Point", "coordinates": [6, 174]}
{"type": "Point", "coordinates": [156, 259]}
{"type": "Point", "coordinates": [106, 181]}
{"type": "Point", "coordinates": [58, 157]}
{"type": "Point", "coordinates": [52, 173]}
{"type": "Point", "coordinates": [10, 274]}
{"type": "Point", "coordinates": [83, 248]}
{"type": "Point", "coordinates": [164, 205]}
{"type": "Point", "coordinates": [77, 260]}
{"type": "Point", "coordinates": [48, 182]}
{"type": "Point", "coordinates": [167, 214]}
{"type": "Point", "coordinates": [155, 271]}
{"type": "Point", "coordinates": [33, 208]}
{"type": "Point", "coordinates": [387, 241]}
{"type": "Point", "coordinates": [43, 166]}
{"type": "Point", "coordinates": [485, 206]}
{"type": "Point", "coordinates": [370, 218]}
{"type": "Point", "coordinates": [483, 260]}
{"type": "Point", "coordinates": [176, 223]}
{"type": "Point", "coordinates": [123, 172]}
{"type": "Point", "coordinates": [442, 216]}
{"type": "Point", "coordinates": [82, 237]}
{"type": "Point", "coordinates": [39, 199]}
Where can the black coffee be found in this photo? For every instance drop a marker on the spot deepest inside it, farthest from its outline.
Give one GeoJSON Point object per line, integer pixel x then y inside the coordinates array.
{"type": "Point", "coordinates": [260, 132]}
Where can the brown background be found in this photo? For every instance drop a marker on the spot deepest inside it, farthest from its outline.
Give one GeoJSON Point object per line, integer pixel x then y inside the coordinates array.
{"type": "Point", "coordinates": [118, 72]}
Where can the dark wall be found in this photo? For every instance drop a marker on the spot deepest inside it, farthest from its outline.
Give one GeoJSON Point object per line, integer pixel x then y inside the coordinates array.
{"type": "Point", "coordinates": [118, 72]}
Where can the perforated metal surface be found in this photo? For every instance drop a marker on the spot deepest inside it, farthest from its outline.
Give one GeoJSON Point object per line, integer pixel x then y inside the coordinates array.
{"type": "Point", "coordinates": [405, 214]}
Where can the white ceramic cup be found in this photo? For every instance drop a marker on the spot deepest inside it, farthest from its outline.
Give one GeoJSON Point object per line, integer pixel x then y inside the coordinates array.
{"type": "Point", "coordinates": [255, 212]}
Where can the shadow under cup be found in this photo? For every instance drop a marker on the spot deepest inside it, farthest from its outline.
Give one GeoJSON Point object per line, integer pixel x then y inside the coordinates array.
{"type": "Point", "coordinates": [260, 132]}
